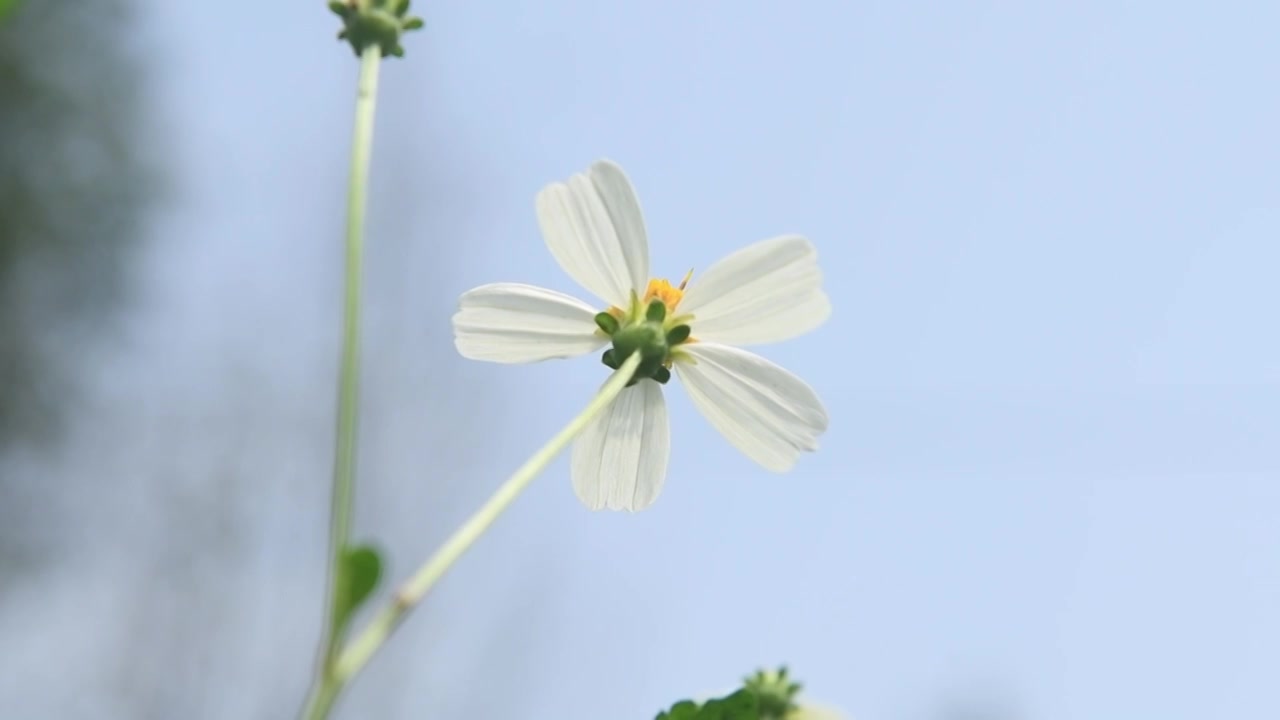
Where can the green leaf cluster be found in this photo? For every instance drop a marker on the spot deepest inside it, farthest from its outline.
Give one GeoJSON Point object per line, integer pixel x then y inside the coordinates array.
{"type": "Point", "coordinates": [742, 705]}
{"type": "Point", "coordinates": [766, 695]}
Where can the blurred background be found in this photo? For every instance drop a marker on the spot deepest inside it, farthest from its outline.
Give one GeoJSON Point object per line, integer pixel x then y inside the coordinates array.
{"type": "Point", "coordinates": [1050, 490]}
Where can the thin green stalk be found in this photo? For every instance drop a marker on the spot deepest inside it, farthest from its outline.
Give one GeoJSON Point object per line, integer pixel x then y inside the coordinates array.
{"type": "Point", "coordinates": [359, 651]}
{"type": "Point", "coordinates": [344, 464]}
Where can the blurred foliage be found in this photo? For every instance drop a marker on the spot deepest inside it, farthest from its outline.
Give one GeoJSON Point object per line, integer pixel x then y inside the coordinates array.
{"type": "Point", "coordinates": [742, 705]}
{"type": "Point", "coordinates": [765, 695]}
{"type": "Point", "coordinates": [73, 190]}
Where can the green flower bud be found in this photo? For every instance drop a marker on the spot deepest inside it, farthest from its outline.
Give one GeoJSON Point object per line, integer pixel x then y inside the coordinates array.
{"type": "Point", "coordinates": [374, 22]}
{"type": "Point", "coordinates": [774, 691]}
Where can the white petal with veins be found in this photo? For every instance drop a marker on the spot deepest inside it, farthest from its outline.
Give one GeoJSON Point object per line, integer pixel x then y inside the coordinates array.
{"type": "Point", "coordinates": [620, 459]}
{"type": "Point", "coordinates": [766, 412]}
{"type": "Point", "coordinates": [593, 226]}
{"type": "Point", "coordinates": [763, 293]}
{"type": "Point", "coordinates": [515, 323]}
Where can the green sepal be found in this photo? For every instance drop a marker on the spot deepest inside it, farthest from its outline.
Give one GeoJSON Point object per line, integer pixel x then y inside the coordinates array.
{"type": "Point", "coordinates": [656, 312]}
{"type": "Point", "coordinates": [662, 375]}
{"type": "Point", "coordinates": [609, 359]}
{"type": "Point", "coordinates": [607, 323]}
{"type": "Point", "coordinates": [678, 334]}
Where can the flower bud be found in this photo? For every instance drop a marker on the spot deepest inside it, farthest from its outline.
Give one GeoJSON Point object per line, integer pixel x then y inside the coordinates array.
{"type": "Point", "coordinates": [374, 22]}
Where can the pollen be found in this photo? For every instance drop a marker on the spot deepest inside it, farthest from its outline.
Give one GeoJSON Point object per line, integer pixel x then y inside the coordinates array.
{"type": "Point", "coordinates": [670, 295]}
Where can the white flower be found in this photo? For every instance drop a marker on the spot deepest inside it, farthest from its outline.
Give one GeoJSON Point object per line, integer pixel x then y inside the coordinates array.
{"type": "Point", "coordinates": [766, 292]}
{"type": "Point", "coordinates": [813, 712]}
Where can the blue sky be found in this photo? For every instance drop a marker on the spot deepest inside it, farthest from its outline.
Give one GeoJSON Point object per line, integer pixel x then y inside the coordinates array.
{"type": "Point", "coordinates": [1050, 232]}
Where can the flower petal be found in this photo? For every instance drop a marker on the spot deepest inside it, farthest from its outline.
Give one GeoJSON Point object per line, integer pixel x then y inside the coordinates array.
{"type": "Point", "coordinates": [813, 712]}
{"type": "Point", "coordinates": [765, 292]}
{"type": "Point", "coordinates": [593, 226]}
{"type": "Point", "coordinates": [514, 323]}
{"type": "Point", "coordinates": [620, 459]}
{"type": "Point", "coordinates": [765, 411]}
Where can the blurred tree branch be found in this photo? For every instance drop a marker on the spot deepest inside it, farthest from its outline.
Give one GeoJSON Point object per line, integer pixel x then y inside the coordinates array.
{"type": "Point", "coordinates": [74, 188]}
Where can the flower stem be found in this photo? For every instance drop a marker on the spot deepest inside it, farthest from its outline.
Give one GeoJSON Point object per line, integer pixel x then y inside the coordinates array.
{"type": "Point", "coordinates": [325, 687]}
{"type": "Point", "coordinates": [375, 634]}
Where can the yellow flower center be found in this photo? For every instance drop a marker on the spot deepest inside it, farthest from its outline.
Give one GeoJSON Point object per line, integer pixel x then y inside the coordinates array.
{"type": "Point", "coordinates": [662, 289]}
{"type": "Point", "coordinates": [658, 289]}
{"type": "Point", "coordinates": [651, 327]}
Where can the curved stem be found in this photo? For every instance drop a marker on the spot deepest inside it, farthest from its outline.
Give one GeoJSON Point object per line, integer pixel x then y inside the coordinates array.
{"type": "Point", "coordinates": [364, 646]}
{"type": "Point", "coordinates": [320, 701]}
{"type": "Point", "coordinates": [344, 465]}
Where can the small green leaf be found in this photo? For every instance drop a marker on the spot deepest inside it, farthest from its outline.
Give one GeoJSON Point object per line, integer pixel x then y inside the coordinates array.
{"type": "Point", "coordinates": [677, 335]}
{"type": "Point", "coordinates": [358, 576]}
